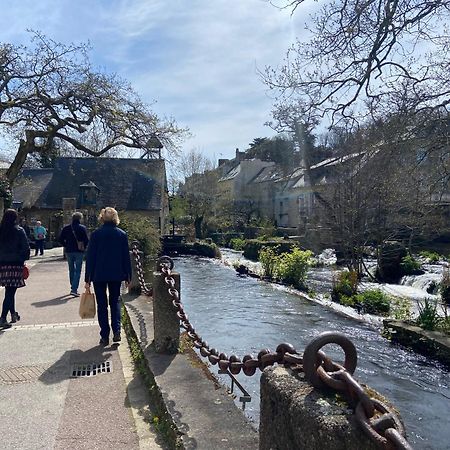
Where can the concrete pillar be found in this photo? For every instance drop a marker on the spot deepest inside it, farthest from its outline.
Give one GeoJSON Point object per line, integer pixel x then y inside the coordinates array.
{"type": "Point", "coordinates": [296, 416]}
{"type": "Point", "coordinates": [165, 320]}
{"type": "Point", "coordinates": [2, 207]}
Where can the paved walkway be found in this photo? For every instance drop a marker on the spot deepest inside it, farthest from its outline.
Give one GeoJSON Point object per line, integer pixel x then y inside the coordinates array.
{"type": "Point", "coordinates": [41, 405]}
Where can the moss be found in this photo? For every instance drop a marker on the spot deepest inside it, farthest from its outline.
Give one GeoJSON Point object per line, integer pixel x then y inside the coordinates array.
{"type": "Point", "coordinates": [161, 419]}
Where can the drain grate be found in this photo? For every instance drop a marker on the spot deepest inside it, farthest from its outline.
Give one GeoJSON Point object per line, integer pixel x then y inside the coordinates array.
{"type": "Point", "coordinates": [90, 369]}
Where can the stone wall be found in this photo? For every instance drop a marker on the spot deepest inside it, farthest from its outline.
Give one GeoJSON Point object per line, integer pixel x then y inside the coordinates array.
{"type": "Point", "coordinates": [296, 416]}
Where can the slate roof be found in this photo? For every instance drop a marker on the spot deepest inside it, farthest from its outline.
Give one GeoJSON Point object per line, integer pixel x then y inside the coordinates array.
{"type": "Point", "coordinates": [127, 184]}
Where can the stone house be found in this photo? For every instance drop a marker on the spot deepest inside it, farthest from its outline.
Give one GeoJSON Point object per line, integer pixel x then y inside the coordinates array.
{"type": "Point", "coordinates": [135, 186]}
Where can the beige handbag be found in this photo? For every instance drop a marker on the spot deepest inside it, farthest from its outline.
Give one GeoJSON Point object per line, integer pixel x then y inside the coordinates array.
{"type": "Point", "coordinates": [87, 305]}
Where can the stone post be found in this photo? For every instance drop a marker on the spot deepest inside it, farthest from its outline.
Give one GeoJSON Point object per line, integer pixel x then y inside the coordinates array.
{"type": "Point", "coordinates": [296, 416]}
{"type": "Point", "coordinates": [165, 320]}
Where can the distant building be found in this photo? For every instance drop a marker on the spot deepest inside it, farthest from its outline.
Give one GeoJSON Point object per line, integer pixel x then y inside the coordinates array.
{"type": "Point", "coordinates": [137, 186]}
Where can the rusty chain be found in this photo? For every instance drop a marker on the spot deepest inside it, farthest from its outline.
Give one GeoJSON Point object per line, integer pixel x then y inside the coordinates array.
{"type": "Point", "coordinates": [380, 422]}
{"type": "Point", "coordinates": [140, 269]}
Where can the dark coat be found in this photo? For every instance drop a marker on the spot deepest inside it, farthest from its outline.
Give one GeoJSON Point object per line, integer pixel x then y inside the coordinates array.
{"type": "Point", "coordinates": [108, 255]}
{"type": "Point", "coordinates": [67, 238]}
{"type": "Point", "coordinates": [16, 250]}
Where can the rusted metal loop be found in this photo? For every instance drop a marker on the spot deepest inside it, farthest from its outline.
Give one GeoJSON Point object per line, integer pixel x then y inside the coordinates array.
{"type": "Point", "coordinates": [173, 293]}
{"type": "Point", "coordinates": [135, 245]}
{"type": "Point", "coordinates": [260, 355]}
{"type": "Point", "coordinates": [192, 336]}
{"type": "Point", "coordinates": [356, 391]}
{"type": "Point", "coordinates": [204, 352]}
{"type": "Point", "coordinates": [328, 364]}
{"type": "Point", "coordinates": [397, 439]}
{"type": "Point", "coordinates": [329, 380]}
{"type": "Point", "coordinates": [311, 359]}
{"type": "Point", "coordinates": [176, 304]}
{"type": "Point", "coordinates": [197, 344]}
{"type": "Point", "coordinates": [213, 359]}
{"type": "Point", "coordinates": [292, 359]}
{"type": "Point", "coordinates": [223, 361]}
{"type": "Point", "coordinates": [224, 364]}
{"type": "Point", "coordinates": [235, 364]}
{"type": "Point", "coordinates": [286, 347]}
{"type": "Point", "coordinates": [166, 261]}
{"type": "Point", "coordinates": [271, 358]}
{"type": "Point", "coordinates": [366, 424]}
{"type": "Point", "coordinates": [170, 281]}
{"type": "Point", "coordinates": [250, 362]}
{"type": "Point", "coordinates": [185, 325]}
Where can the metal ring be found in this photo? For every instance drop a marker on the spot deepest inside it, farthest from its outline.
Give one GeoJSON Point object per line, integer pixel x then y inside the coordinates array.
{"type": "Point", "coordinates": [166, 261]}
{"type": "Point", "coordinates": [312, 360]}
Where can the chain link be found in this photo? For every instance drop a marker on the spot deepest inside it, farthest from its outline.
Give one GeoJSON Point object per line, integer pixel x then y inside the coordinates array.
{"type": "Point", "coordinates": [140, 269]}
{"type": "Point", "coordinates": [380, 422]}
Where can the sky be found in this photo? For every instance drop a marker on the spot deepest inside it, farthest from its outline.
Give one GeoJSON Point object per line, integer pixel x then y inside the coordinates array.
{"type": "Point", "coordinates": [197, 59]}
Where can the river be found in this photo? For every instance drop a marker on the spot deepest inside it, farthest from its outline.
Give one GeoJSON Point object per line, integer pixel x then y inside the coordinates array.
{"type": "Point", "coordinates": [243, 315]}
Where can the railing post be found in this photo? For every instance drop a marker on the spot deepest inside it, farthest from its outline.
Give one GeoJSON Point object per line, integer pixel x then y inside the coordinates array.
{"type": "Point", "coordinates": [165, 320]}
{"type": "Point", "coordinates": [309, 418]}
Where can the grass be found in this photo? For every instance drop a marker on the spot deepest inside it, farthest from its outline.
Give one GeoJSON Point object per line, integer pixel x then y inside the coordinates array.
{"type": "Point", "coordinates": [161, 419]}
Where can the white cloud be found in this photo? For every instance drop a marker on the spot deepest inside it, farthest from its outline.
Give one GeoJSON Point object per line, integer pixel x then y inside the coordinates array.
{"type": "Point", "coordinates": [198, 59]}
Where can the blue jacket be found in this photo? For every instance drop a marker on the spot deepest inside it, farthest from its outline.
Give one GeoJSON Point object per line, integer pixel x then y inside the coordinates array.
{"type": "Point", "coordinates": [108, 255]}
{"type": "Point", "coordinates": [67, 238]}
{"type": "Point", "coordinates": [16, 250]}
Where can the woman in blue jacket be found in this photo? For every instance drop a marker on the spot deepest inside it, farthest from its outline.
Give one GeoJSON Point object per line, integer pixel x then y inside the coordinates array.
{"type": "Point", "coordinates": [14, 251]}
{"type": "Point", "coordinates": [107, 265]}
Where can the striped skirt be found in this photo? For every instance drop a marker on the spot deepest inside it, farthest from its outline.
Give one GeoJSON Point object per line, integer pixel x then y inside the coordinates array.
{"type": "Point", "coordinates": [11, 275]}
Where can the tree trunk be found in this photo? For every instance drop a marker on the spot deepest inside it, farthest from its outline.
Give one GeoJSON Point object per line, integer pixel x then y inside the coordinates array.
{"type": "Point", "coordinates": [198, 226]}
{"type": "Point", "coordinates": [25, 147]}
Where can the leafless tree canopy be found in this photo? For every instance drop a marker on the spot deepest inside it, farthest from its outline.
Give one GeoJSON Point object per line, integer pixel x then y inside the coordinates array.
{"type": "Point", "coordinates": [366, 57]}
{"type": "Point", "coordinates": [49, 92]}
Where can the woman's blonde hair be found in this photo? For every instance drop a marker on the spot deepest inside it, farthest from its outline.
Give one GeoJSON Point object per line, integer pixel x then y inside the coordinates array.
{"type": "Point", "coordinates": [109, 214]}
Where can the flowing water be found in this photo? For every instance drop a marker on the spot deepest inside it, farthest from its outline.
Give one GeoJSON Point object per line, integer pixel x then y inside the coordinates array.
{"type": "Point", "coordinates": [243, 315]}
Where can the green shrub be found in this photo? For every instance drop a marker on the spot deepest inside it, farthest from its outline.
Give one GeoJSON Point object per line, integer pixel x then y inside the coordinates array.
{"type": "Point", "coordinates": [292, 267]}
{"type": "Point", "coordinates": [237, 244]}
{"type": "Point", "coordinates": [432, 256]}
{"type": "Point", "coordinates": [348, 301]}
{"type": "Point", "coordinates": [268, 259]}
{"type": "Point", "coordinates": [401, 308]}
{"type": "Point", "coordinates": [409, 265]}
{"type": "Point", "coordinates": [344, 284]}
{"type": "Point", "coordinates": [428, 317]}
{"type": "Point", "coordinates": [142, 229]}
{"type": "Point", "coordinates": [444, 288]}
{"type": "Point", "coordinates": [252, 247]}
{"type": "Point", "coordinates": [206, 249]}
{"type": "Point", "coordinates": [444, 325]}
{"type": "Point", "coordinates": [374, 301]}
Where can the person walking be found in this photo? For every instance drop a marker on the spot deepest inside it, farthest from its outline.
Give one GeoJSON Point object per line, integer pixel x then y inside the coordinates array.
{"type": "Point", "coordinates": [107, 265]}
{"type": "Point", "coordinates": [14, 251]}
{"type": "Point", "coordinates": [40, 233]}
{"type": "Point", "coordinates": [75, 241]}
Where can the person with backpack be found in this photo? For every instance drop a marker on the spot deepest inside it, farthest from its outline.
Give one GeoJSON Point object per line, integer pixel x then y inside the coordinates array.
{"type": "Point", "coordinates": [14, 251]}
{"type": "Point", "coordinates": [75, 241]}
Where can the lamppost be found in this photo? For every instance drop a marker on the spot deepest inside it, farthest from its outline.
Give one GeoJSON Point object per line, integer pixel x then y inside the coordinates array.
{"type": "Point", "coordinates": [88, 201]}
